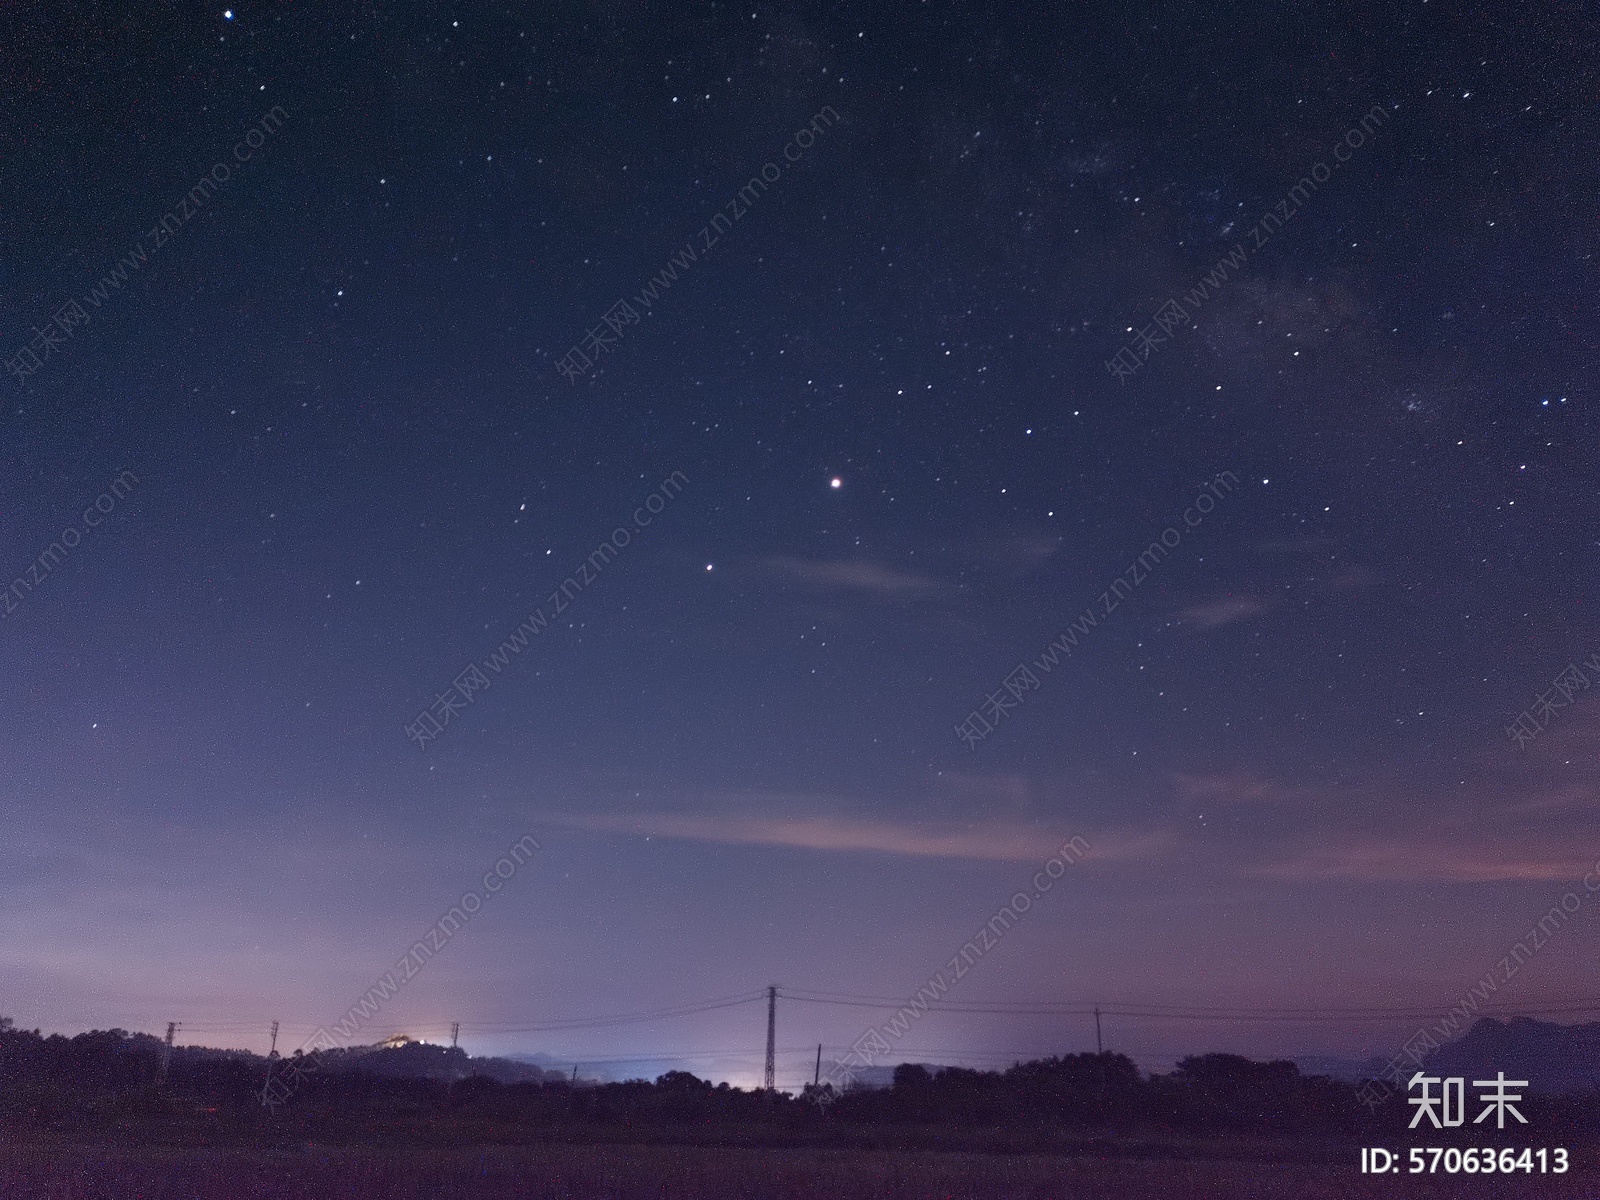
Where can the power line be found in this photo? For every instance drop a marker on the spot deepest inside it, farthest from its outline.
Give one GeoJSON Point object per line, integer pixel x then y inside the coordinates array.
{"type": "Point", "coordinates": [1133, 1011]}
{"type": "Point", "coordinates": [743, 1053]}
{"type": "Point", "coordinates": [663, 1014]}
{"type": "Point", "coordinates": [1176, 1012]}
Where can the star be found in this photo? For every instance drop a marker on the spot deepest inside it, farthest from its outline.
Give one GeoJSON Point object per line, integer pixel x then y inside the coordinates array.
{"type": "Point", "coordinates": [836, 482]}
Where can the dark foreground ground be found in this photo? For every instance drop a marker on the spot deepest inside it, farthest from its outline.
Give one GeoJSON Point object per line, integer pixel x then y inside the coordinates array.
{"type": "Point", "coordinates": [637, 1172]}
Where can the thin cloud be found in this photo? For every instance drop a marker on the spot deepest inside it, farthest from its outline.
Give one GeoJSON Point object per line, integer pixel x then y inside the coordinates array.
{"type": "Point", "coordinates": [1530, 832]}
{"type": "Point", "coordinates": [1215, 613]}
{"type": "Point", "coordinates": [1235, 788]}
{"type": "Point", "coordinates": [991, 843]}
{"type": "Point", "coordinates": [850, 575]}
{"type": "Point", "coordinates": [1317, 545]}
{"type": "Point", "coordinates": [1424, 860]}
{"type": "Point", "coordinates": [1017, 554]}
{"type": "Point", "coordinates": [1352, 578]}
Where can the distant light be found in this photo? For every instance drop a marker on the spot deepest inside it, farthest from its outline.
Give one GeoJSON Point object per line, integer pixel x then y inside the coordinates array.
{"type": "Point", "coordinates": [836, 482]}
{"type": "Point", "coordinates": [708, 566]}
{"type": "Point", "coordinates": [227, 15]}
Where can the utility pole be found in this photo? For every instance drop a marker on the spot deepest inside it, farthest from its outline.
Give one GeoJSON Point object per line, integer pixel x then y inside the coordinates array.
{"type": "Point", "coordinates": [166, 1049]}
{"type": "Point", "coordinates": [817, 1078]}
{"type": "Point", "coordinates": [772, 1036]}
{"type": "Point", "coordinates": [1100, 1055]}
{"type": "Point", "coordinates": [455, 1029]}
{"type": "Point", "coordinates": [272, 1059]}
{"type": "Point", "coordinates": [574, 1074]}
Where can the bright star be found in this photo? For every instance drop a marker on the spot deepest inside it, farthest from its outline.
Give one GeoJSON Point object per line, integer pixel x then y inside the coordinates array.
{"type": "Point", "coordinates": [836, 482]}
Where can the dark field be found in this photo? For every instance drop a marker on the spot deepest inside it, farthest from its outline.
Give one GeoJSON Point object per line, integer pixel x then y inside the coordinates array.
{"type": "Point", "coordinates": [664, 1172]}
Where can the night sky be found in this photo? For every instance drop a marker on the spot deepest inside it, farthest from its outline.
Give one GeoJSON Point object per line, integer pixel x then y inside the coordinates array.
{"type": "Point", "coordinates": [888, 458]}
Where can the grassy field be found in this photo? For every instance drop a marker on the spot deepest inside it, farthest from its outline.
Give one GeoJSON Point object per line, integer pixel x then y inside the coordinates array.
{"type": "Point", "coordinates": [670, 1173]}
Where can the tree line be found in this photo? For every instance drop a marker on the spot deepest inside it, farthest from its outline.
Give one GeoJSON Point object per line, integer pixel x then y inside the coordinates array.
{"type": "Point", "coordinates": [106, 1074]}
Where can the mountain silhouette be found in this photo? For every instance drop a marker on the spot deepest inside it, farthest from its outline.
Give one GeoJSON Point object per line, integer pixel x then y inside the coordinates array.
{"type": "Point", "coordinates": [1554, 1059]}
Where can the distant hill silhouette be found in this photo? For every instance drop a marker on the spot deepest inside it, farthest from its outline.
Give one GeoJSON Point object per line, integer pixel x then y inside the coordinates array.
{"type": "Point", "coordinates": [1554, 1059]}
{"type": "Point", "coordinates": [425, 1060]}
{"type": "Point", "coordinates": [1346, 1070]}
{"type": "Point", "coordinates": [400, 1058]}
